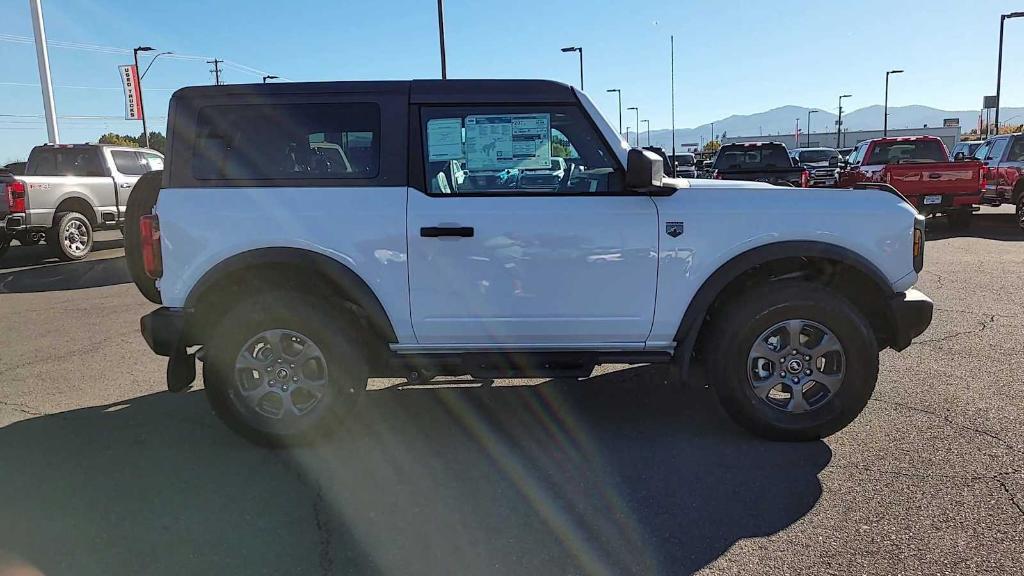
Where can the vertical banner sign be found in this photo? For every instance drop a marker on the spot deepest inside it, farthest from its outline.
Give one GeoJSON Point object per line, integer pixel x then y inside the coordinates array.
{"type": "Point", "coordinates": [132, 99]}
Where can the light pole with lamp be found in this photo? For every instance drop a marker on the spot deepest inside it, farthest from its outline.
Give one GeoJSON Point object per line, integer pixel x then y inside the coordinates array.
{"type": "Point", "coordinates": [580, 50]}
{"type": "Point", "coordinates": [619, 92]}
{"type": "Point", "coordinates": [269, 77]}
{"type": "Point", "coordinates": [999, 69]}
{"type": "Point", "coordinates": [809, 112]}
{"type": "Point", "coordinates": [885, 122]}
{"type": "Point", "coordinates": [648, 122]}
{"type": "Point", "coordinates": [839, 122]}
{"type": "Point", "coordinates": [142, 108]}
{"type": "Point", "coordinates": [637, 110]}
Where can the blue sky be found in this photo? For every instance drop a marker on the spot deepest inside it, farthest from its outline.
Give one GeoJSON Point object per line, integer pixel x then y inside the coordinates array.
{"type": "Point", "coordinates": [734, 57]}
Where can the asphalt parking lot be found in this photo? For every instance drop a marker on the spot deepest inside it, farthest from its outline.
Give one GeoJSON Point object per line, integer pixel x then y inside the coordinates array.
{"type": "Point", "coordinates": [103, 472]}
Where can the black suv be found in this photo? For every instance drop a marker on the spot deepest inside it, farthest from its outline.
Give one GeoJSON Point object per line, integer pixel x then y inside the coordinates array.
{"type": "Point", "coordinates": [759, 162]}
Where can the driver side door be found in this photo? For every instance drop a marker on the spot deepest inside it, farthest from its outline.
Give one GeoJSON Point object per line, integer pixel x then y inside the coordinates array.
{"type": "Point", "coordinates": [519, 252]}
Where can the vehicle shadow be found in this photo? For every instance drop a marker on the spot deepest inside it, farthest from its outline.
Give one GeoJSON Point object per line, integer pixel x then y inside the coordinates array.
{"type": "Point", "coordinates": [985, 225]}
{"type": "Point", "coordinates": [20, 256]}
{"type": "Point", "coordinates": [617, 474]}
{"type": "Point", "coordinates": [66, 276]}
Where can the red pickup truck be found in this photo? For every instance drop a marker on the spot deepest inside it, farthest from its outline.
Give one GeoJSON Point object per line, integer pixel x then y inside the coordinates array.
{"type": "Point", "coordinates": [919, 168]}
{"type": "Point", "coordinates": [1003, 156]}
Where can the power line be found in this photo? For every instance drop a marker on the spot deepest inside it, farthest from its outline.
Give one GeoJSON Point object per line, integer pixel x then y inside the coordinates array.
{"type": "Point", "coordinates": [115, 50]}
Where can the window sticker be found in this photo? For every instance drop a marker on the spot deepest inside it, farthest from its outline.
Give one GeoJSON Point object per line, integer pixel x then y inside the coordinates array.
{"type": "Point", "coordinates": [444, 140]}
{"type": "Point", "coordinates": [508, 141]}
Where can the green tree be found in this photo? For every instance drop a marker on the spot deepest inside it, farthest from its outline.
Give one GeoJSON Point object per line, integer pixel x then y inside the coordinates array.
{"type": "Point", "coordinates": [712, 146]}
{"type": "Point", "coordinates": [118, 140]}
{"type": "Point", "coordinates": [157, 141]}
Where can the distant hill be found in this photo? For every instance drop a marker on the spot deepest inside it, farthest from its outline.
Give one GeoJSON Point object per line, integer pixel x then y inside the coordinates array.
{"type": "Point", "coordinates": [783, 121]}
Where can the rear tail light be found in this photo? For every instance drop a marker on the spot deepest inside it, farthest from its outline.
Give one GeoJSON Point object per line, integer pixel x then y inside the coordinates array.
{"type": "Point", "coordinates": [805, 179]}
{"type": "Point", "coordinates": [149, 241]}
{"type": "Point", "coordinates": [982, 178]}
{"type": "Point", "coordinates": [16, 196]}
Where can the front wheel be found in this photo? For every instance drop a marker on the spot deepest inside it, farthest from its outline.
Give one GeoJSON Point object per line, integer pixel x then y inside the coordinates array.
{"type": "Point", "coordinates": [792, 360]}
{"type": "Point", "coordinates": [284, 368]}
{"type": "Point", "coordinates": [70, 236]}
{"type": "Point", "coordinates": [1020, 212]}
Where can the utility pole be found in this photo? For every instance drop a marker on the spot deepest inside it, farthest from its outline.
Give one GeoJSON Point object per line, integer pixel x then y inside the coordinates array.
{"type": "Point", "coordinates": [637, 110]}
{"type": "Point", "coordinates": [648, 122]}
{"type": "Point", "coordinates": [440, 33]}
{"type": "Point", "coordinates": [43, 60]}
{"type": "Point", "coordinates": [216, 70]}
{"type": "Point", "coordinates": [809, 112]}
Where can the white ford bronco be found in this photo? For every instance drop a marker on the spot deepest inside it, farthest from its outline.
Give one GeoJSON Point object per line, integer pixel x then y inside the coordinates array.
{"type": "Point", "coordinates": [304, 237]}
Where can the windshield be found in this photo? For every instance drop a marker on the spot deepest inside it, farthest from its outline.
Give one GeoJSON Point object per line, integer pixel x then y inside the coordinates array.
{"type": "Point", "coordinates": [686, 160]}
{"type": "Point", "coordinates": [753, 157]}
{"type": "Point", "coordinates": [812, 156]}
{"type": "Point", "coordinates": [907, 151]}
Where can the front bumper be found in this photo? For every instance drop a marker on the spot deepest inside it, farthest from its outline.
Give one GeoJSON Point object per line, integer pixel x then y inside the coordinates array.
{"type": "Point", "coordinates": [911, 313]}
{"type": "Point", "coordinates": [164, 331]}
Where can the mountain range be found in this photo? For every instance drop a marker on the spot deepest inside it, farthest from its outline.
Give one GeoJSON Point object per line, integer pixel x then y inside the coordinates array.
{"type": "Point", "coordinates": [782, 120]}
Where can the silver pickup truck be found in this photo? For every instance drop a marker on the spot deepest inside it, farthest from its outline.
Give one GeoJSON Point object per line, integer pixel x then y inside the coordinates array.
{"type": "Point", "coordinates": [70, 190]}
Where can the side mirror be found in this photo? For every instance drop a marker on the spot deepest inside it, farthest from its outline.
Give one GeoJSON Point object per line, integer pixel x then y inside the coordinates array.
{"type": "Point", "coordinates": [959, 157]}
{"type": "Point", "coordinates": [796, 162]}
{"type": "Point", "coordinates": [833, 162]}
{"type": "Point", "coordinates": [644, 170]}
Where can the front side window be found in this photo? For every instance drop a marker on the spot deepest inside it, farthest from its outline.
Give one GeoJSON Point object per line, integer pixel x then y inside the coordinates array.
{"type": "Point", "coordinates": [515, 150]}
{"type": "Point", "coordinates": [287, 141]}
{"type": "Point", "coordinates": [998, 147]}
{"type": "Point", "coordinates": [75, 161]}
{"type": "Point", "coordinates": [982, 150]}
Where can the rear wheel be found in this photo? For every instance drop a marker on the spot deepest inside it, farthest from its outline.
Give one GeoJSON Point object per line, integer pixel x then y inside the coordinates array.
{"type": "Point", "coordinates": [1020, 212]}
{"type": "Point", "coordinates": [283, 368]}
{"type": "Point", "coordinates": [70, 236]}
{"type": "Point", "coordinates": [792, 360]}
{"type": "Point", "coordinates": [140, 202]}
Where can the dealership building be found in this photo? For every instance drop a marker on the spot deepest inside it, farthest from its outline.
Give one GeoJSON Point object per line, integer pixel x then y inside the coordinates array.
{"type": "Point", "coordinates": [849, 138]}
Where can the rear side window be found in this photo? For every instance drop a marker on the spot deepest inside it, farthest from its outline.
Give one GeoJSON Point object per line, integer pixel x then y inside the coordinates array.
{"type": "Point", "coordinates": [907, 152]}
{"type": "Point", "coordinates": [129, 163]}
{"type": "Point", "coordinates": [287, 141]}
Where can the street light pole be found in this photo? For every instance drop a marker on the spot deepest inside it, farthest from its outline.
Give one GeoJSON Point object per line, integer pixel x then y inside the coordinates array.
{"type": "Point", "coordinates": [620, 106]}
{"type": "Point", "coordinates": [269, 77]}
{"type": "Point", "coordinates": [648, 122]}
{"type": "Point", "coordinates": [885, 122]}
{"type": "Point", "coordinates": [712, 132]}
{"type": "Point", "coordinates": [809, 112]}
{"type": "Point", "coordinates": [999, 69]}
{"type": "Point", "coordinates": [43, 61]}
{"type": "Point", "coordinates": [637, 110]}
{"type": "Point", "coordinates": [839, 122]}
{"type": "Point", "coordinates": [580, 50]}
{"type": "Point", "coordinates": [142, 109]}
{"type": "Point", "coordinates": [440, 33]}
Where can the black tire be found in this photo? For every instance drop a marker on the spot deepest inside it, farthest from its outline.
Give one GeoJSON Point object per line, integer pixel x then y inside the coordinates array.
{"type": "Point", "coordinates": [59, 232]}
{"type": "Point", "coordinates": [140, 203]}
{"type": "Point", "coordinates": [330, 329]}
{"type": "Point", "coordinates": [745, 319]}
{"type": "Point", "coordinates": [959, 220]}
{"type": "Point", "coordinates": [1020, 212]}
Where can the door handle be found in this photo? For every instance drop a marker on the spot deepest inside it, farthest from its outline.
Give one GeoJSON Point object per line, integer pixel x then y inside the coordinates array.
{"type": "Point", "coordinates": [935, 176]}
{"type": "Point", "coordinates": [440, 231]}
{"type": "Point", "coordinates": [126, 185]}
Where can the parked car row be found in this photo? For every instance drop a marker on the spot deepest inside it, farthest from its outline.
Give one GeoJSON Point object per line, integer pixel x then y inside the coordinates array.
{"type": "Point", "coordinates": [65, 192]}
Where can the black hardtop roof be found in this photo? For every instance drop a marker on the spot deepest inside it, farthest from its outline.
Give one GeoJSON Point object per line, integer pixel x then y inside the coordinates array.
{"type": "Point", "coordinates": [420, 91]}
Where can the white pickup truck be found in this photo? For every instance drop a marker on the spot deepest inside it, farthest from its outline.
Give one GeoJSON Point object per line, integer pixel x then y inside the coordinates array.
{"type": "Point", "coordinates": [70, 190]}
{"type": "Point", "coordinates": [295, 277]}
